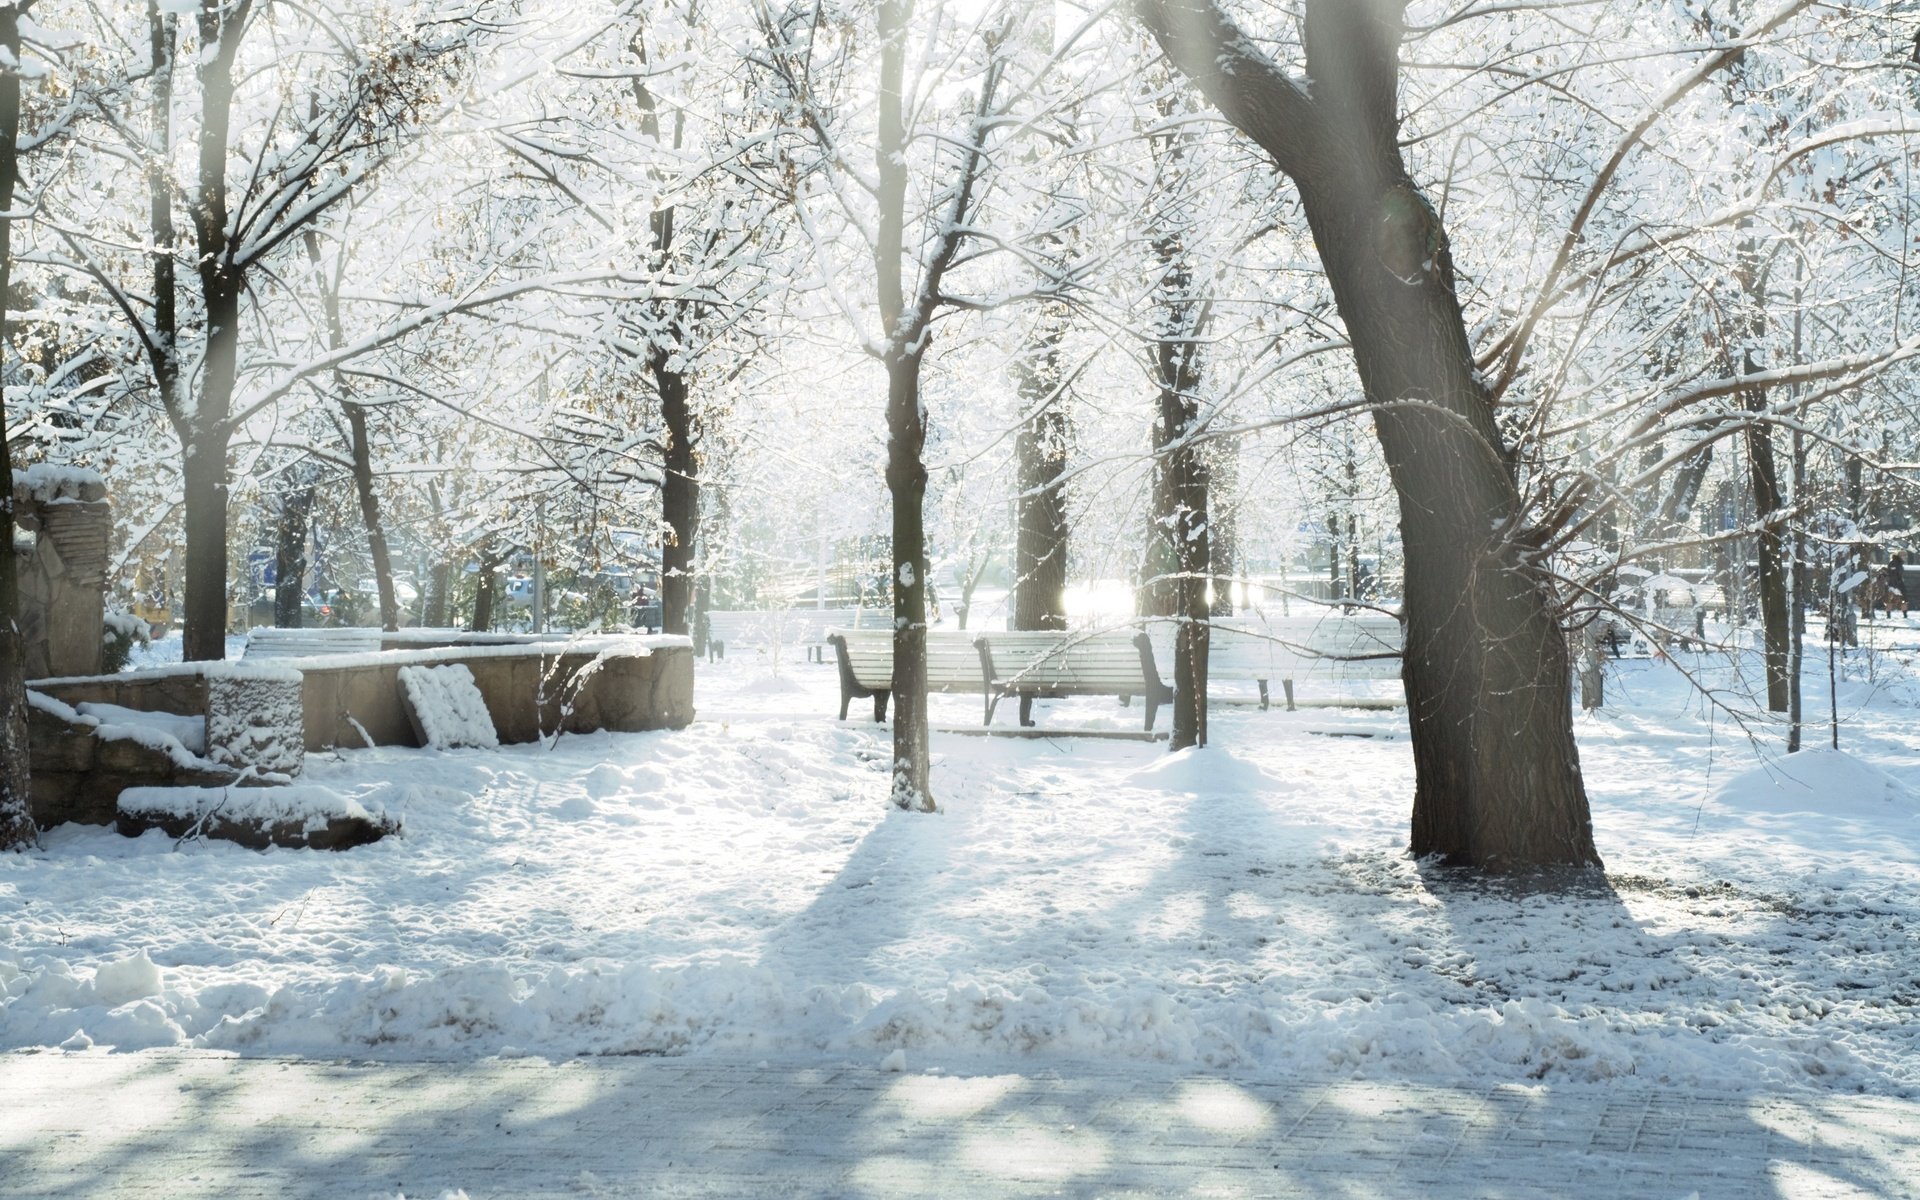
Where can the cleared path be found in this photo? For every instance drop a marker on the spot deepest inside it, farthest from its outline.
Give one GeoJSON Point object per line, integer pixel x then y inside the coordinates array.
{"type": "Point", "coordinates": [191, 1124]}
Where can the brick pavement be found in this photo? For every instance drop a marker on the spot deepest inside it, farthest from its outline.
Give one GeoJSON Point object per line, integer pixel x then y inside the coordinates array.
{"type": "Point", "coordinates": [178, 1123]}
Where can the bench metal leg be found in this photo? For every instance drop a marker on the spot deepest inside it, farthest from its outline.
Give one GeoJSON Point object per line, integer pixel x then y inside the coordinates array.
{"type": "Point", "coordinates": [1026, 711]}
{"type": "Point", "coordinates": [1263, 694]}
{"type": "Point", "coordinates": [1288, 684]}
{"type": "Point", "coordinates": [846, 698]}
{"type": "Point", "coordinates": [880, 705]}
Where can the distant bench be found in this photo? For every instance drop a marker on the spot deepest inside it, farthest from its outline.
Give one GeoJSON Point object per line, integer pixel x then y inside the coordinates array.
{"type": "Point", "coordinates": [1003, 665]}
{"type": "Point", "coordinates": [1317, 653]}
{"type": "Point", "coordinates": [311, 643]}
{"type": "Point", "coordinates": [805, 627]}
{"type": "Point", "coordinates": [1314, 652]}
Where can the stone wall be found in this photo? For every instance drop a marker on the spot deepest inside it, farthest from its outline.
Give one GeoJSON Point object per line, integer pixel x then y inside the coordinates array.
{"type": "Point", "coordinates": [530, 690]}
{"type": "Point", "coordinates": [78, 776]}
{"type": "Point", "coordinates": [63, 577]}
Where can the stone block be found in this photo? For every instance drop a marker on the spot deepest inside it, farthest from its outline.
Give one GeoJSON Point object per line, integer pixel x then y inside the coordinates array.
{"type": "Point", "coordinates": [256, 721]}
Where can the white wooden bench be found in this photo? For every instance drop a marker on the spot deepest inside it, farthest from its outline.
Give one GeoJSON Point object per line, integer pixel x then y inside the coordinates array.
{"type": "Point", "coordinates": [1034, 664]}
{"type": "Point", "coordinates": [310, 643]}
{"type": "Point", "coordinates": [1003, 664]}
{"type": "Point", "coordinates": [805, 627]}
{"type": "Point", "coordinates": [865, 659]}
{"type": "Point", "coordinates": [1328, 648]}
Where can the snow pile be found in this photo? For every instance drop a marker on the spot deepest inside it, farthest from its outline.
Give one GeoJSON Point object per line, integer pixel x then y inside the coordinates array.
{"type": "Point", "coordinates": [1816, 781]}
{"type": "Point", "coordinates": [188, 732]}
{"type": "Point", "coordinates": [447, 706]}
{"type": "Point", "coordinates": [305, 805]}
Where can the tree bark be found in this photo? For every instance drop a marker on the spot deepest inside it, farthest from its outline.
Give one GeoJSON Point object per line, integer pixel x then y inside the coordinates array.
{"type": "Point", "coordinates": [439, 579]}
{"type": "Point", "coordinates": [1770, 548]}
{"type": "Point", "coordinates": [680, 484]}
{"type": "Point", "coordinates": [204, 425]}
{"type": "Point", "coordinates": [1040, 450]}
{"type": "Point", "coordinates": [907, 481]}
{"type": "Point", "coordinates": [679, 496]}
{"type": "Point", "coordinates": [290, 556]}
{"type": "Point", "coordinates": [1487, 667]}
{"type": "Point", "coordinates": [16, 800]}
{"type": "Point", "coordinates": [484, 588]}
{"type": "Point", "coordinates": [1181, 522]}
{"type": "Point", "coordinates": [1223, 525]}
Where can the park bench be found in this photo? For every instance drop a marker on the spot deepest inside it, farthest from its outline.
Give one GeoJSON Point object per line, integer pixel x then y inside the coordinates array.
{"type": "Point", "coordinates": [865, 660]}
{"type": "Point", "coordinates": [311, 643]}
{"type": "Point", "coordinates": [1005, 664]}
{"type": "Point", "coordinates": [805, 627]}
{"type": "Point", "coordinates": [1328, 648]}
{"type": "Point", "coordinates": [1035, 664]}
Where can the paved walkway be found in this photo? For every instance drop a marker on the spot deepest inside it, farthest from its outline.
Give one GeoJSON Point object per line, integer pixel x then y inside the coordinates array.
{"type": "Point", "coordinates": [186, 1124]}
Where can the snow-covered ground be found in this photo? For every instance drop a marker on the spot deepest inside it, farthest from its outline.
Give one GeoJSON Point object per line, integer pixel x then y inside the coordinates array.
{"type": "Point", "coordinates": [739, 888]}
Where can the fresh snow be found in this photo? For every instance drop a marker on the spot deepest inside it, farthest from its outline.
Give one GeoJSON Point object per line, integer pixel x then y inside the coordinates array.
{"type": "Point", "coordinates": [741, 888]}
{"type": "Point", "coordinates": [189, 732]}
{"type": "Point", "coordinates": [310, 806]}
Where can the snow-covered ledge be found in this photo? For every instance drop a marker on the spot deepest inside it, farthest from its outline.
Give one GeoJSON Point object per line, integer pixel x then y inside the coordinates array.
{"type": "Point", "coordinates": [532, 689]}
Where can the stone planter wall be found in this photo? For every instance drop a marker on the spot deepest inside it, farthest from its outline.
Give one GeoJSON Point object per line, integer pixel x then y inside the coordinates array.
{"type": "Point", "coordinates": [530, 691]}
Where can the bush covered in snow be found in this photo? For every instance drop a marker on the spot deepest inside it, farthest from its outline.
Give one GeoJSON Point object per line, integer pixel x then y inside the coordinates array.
{"type": "Point", "coordinates": [119, 634]}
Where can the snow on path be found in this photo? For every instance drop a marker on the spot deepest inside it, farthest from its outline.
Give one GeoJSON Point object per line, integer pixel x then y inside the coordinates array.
{"type": "Point", "coordinates": [739, 887]}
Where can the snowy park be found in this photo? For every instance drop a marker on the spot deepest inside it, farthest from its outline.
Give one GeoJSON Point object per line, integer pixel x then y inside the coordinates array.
{"type": "Point", "coordinates": [959, 598]}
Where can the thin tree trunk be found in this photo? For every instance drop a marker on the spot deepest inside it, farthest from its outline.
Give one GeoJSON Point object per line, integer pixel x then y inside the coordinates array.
{"type": "Point", "coordinates": [680, 485]}
{"type": "Point", "coordinates": [207, 433]}
{"type": "Point", "coordinates": [907, 481]}
{"type": "Point", "coordinates": [679, 497]}
{"type": "Point", "coordinates": [359, 444]}
{"type": "Point", "coordinates": [438, 581]}
{"type": "Point", "coordinates": [1040, 522]}
{"type": "Point", "coordinates": [1223, 526]}
{"type": "Point", "coordinates": [16, 798]}
{"type": "Point", "coordinates": [1775, 620]}
{"type": "Point", "coordinates": [905, 343]}
{"type": "Point", "coordinates": [484, 588]}
{"type": "Point", "coordinates": [290, 556]}
{"type": "Point", "coordinates": [370, 518]}
{"type": "Point", "coordinates": [1182, 465]}
{"type": "Point", "coordinates": [1487, 667]}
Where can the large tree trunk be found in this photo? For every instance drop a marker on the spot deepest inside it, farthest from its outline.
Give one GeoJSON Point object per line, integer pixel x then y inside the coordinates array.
{"type": "Point", "coordinates": [16, 812]}
{"type": "Point", "coordinates": [1487, 669]}
{"type": "Point", "coordinates": [1040, 448]}
{"type": "Point", "coordinates": [290, 556]}
{"type": "Point", "coordinates": [679, 497]}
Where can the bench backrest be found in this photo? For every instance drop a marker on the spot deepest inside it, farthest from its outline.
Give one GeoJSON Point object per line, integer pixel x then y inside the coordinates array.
{"type": "Point", "coordinates": [1327, 645]}
{"type": "Point", "coordinates": [790, 626]}
{"type": "Point", "coordinates": [1095, 664]}
{"type": "Point", "coordinates": [310, 643]}
{"type": "Point", "coordinates": [953, 665]}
